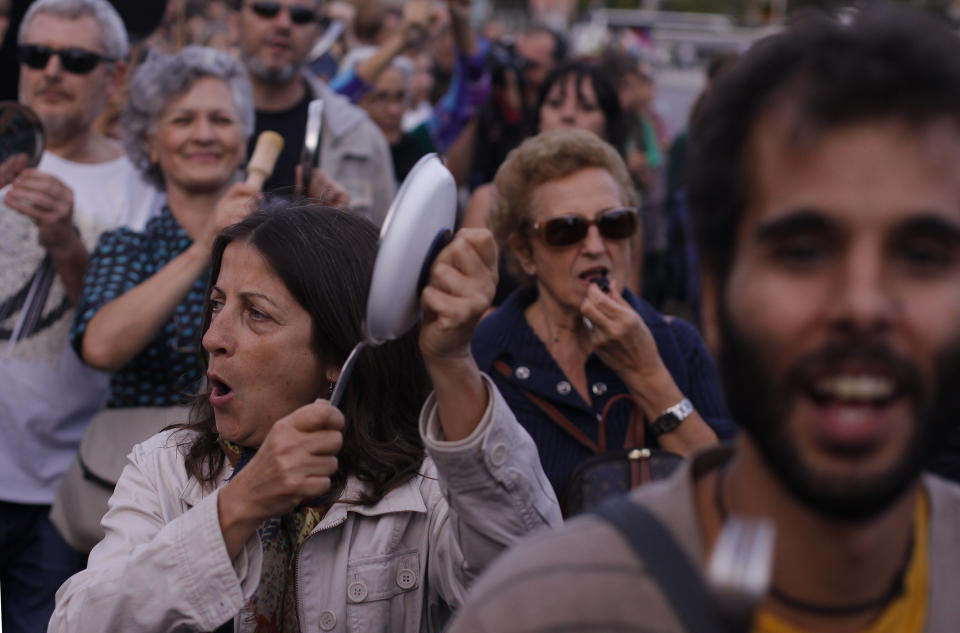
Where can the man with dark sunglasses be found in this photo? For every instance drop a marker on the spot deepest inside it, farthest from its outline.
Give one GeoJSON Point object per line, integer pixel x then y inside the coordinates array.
{"type": "Point", "coordinates": [275, 37]}
{"type": "Point", "coordinates": [825, 182]}
{"type": "Point", "coordinates": [71, 59]}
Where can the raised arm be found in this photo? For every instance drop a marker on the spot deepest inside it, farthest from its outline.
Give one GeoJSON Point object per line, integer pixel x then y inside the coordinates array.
{"type": "Point", "coordinates": [463, 280]}
{"type": "Point", "coordinates": [624, 343]}
{"type": "Point", "coordinates": [124, 326]}
{"type": "Point", "coordinates": [353, 83]}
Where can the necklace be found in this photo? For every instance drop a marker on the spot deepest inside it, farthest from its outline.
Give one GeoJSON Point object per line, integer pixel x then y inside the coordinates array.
{"type": "Point", "coordinates": [895, 590]}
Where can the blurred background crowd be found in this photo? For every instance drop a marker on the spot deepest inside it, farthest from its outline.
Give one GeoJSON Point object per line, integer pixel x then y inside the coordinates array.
{"type": "Point", "coordinates": [631, 71]}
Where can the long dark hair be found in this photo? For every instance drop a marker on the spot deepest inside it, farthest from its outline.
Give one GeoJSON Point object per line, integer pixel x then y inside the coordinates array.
{"type": "Point", "coordinates": [603, 87]}
{"type": "Point", "coordinates": [325, 258]}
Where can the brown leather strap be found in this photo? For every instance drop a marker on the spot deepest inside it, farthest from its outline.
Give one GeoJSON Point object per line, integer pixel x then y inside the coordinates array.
{"type": "Point", "coordinates": [634, 436]}
{"type": "Point", "coordinates": [645, 474]}
{"type": "Point", "coordinates": [554, 414]}
{"type": "Point", "coordinates": [639, 459]}
{"type": "Point", "coordinates": [636, 474]}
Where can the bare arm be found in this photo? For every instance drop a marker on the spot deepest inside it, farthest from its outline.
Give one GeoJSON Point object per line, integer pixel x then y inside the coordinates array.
{"type": "Point", "coordinates": [623, 343]}
{"type": "Point", "coordinates": [122, 328]}
{"type": "Point", "coordinates": [463, 35]}
{"type": "Point", "coordinates": [416, 14]}
{"type": "Point", "coordinates": [459, 156]}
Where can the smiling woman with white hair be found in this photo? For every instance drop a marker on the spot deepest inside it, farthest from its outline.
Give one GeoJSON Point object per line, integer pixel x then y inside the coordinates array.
{"type": "Point", "coordinates": [188, 119]}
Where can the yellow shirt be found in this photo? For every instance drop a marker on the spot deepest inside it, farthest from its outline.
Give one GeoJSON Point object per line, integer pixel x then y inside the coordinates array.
{"type": "Point", "coordinates": [907, 613]}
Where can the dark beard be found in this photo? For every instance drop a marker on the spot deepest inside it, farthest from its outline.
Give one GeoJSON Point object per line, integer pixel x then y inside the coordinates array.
{"type": "Point", "coordinates": [760, 406]}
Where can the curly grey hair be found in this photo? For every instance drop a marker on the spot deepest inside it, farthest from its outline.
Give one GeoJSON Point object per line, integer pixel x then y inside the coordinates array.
{"type": "Point", "coordinates": [163, 77]}
{"type": "Point", "coordinates": [116, 44]}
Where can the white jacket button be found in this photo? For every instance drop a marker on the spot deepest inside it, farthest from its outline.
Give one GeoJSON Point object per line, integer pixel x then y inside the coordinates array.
{"type": "Point", "coordinates": [406, 578]}
{"type": "Point", "coordinates": [328, 620]}
{"type": "Point", "coordinates": [357, 592]}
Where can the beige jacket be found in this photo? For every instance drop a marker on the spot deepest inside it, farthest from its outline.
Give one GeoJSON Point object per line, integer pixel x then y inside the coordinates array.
{"type": "Point", "coordinates": [400, 565]}
{"type": "Point", "coordinates": [586, 577]}
{"type": "Point", "coordinates": [354, 153]}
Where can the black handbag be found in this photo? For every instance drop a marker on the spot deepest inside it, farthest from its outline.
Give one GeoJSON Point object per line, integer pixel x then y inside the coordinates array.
{"type": "Point", "coordinates": [607, 473]}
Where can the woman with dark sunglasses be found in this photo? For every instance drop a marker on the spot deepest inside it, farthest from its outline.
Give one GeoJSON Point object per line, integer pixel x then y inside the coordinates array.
{"type": "Point", "coordinates": [573, 338]}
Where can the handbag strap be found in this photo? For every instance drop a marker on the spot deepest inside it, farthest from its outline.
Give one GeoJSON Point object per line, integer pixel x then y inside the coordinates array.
{"type": "Point", "coordinates": [666, 562]}
{"type": "Point", "coordinates": [634, 435]}
{"type": "Point", "coordinates": [554, 414]}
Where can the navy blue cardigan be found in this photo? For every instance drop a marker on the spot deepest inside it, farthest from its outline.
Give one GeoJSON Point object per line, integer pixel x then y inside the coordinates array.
{"type": "Point", "coordinates": [506, 335]}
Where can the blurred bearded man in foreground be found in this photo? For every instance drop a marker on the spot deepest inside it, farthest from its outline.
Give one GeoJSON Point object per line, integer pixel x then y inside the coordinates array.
{"type": "Point", "coordinates": [826, 184]}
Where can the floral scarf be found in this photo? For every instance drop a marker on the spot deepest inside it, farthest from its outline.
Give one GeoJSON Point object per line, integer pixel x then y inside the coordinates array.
{"type": "Point", "coordinates": [273, 607]}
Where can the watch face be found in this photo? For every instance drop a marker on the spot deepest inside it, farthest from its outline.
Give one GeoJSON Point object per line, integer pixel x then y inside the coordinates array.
{"type": "Point", "coordinates": [672, 417]}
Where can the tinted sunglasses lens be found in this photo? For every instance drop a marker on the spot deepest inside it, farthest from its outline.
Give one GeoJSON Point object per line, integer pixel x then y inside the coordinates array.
{"type": "Point", "coordinates": [78, 61]}
{"type": "Point", "coordinates": [266, 9]}
{"type": "Point", "coordinates": [564, 231]}
{"type": "Point", "coordinates": [74, 60]}
{"type": "Point", "coordinates": [301, 15]}
{"type": "Point", "coordinates": [617, 225]}
{"type": "Point", "coordinates": [36, 57]}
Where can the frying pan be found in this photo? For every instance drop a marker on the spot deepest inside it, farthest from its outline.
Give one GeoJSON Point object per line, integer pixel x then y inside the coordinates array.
{"type": "Point", "coordinates": [419, 224]}
{"type": "Point", "coordinates": [20, 133]}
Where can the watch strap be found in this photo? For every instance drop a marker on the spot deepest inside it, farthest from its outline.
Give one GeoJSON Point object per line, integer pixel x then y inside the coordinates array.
{"type": "Point", "coordinates": [671, 417]}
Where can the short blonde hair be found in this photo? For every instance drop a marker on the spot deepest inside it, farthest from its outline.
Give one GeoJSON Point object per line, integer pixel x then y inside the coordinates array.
{"type": "Point", "coordinates": [538, 160]}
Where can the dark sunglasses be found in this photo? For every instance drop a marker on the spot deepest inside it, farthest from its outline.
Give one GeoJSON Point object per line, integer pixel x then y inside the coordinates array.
{"type": "Point", "coordinates": [270, 10]}
{"type": "Point", "coordinates": [74, 60]}
{"type": "Point", "coordinates": [616, 224]}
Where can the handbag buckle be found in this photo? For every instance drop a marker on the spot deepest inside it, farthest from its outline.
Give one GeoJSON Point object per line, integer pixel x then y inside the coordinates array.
{"type": "Point", "coordinates": [638, 454]}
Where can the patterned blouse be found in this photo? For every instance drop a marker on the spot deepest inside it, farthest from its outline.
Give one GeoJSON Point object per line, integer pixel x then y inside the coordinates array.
{"type": "Point", "coordinates": [166, 371]}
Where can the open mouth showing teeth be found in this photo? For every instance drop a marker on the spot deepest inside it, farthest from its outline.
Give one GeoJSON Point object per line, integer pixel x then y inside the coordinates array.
{"type": "Point", "coordinates": [869, 390]}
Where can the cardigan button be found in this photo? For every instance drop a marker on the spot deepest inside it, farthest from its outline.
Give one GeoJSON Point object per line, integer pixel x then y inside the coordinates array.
{"type": "Point", "coordinates": [357, 592]}
{"type": "Point", "coordinates": [599, 388]}
{"type": "Point", "coordinates": [522, 372]}
{"type": "Point", "coordinates": [498, 455]}
{"type": "Point", "coordinates": [563, 387]}
{"type": "Point", "coordinates": [406, 579]}
{"type": "Point", "coordinates": [328, 620]}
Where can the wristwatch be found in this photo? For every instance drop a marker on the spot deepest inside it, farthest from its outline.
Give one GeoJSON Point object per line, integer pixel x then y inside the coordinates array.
{"type": "Point", "coordinates": [671, 418]}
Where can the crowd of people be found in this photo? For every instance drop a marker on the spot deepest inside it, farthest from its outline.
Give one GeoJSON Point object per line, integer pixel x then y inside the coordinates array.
{"type": "Point", "coordinates": [173, 333]}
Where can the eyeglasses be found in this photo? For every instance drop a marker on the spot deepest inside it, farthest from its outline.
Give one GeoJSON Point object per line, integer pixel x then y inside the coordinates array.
{"type": "Point", "coordinates": [616, 224]}
{"type": "Point", "coordinates": [74, 60]}
{"type": "Point", "coordinates": [270, 10]}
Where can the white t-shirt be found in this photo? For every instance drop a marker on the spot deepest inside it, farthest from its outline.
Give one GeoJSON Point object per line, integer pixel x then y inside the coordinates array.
{"type": "Point", "coordinates": [47, 395]}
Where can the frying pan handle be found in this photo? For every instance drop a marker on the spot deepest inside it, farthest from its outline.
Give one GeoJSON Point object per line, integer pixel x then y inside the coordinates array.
{"type": "Point", "coordinates": [440, 241]}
